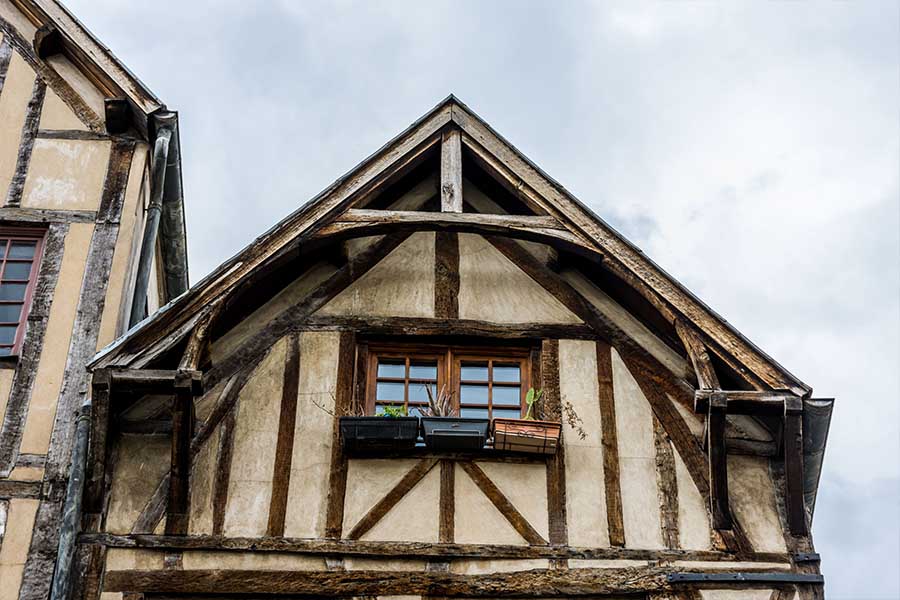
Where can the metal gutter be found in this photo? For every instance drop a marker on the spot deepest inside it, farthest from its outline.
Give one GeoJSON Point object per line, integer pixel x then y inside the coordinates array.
{"type": "Point", "coordinates": [816, 423]}
{"type": "Point", "coordinates": [71, 515]}
{"type": "Point", "coordinates": [159, 166]}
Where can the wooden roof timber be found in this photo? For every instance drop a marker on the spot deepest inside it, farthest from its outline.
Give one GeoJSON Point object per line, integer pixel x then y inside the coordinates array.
{"type": "Point", "coordinates": [574, 223]}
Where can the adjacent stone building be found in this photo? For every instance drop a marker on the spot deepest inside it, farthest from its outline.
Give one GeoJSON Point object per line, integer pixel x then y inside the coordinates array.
{"type": "Point", "coordinates": [248, 439]}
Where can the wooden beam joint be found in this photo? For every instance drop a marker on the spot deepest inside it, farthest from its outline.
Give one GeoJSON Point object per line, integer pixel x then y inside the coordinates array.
{"type": "Point", "coordinates": [718, 462]}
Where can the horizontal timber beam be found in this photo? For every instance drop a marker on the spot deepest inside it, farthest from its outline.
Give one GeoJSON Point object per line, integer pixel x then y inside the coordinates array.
{"type": "Point", "coordinates": [411, 549]}
{"type": "Point", "coordinates": [363, 223]}
{"type": "Point", "coordinates": [742, 402]}
{"type": "Point", "coordinates": [153, 380]}
{"type": "Point", "coordinates": [762, 578]}
{"type": "Point", "coordinates": [457, 327]}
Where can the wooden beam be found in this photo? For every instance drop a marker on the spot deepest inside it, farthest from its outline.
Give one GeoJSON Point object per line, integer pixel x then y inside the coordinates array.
{"type": "Point", "coordinates": [289, 319]}
{"type": "Point", "coordinates": [385, 549]}
{"type": "Point", "coordinates": [718, 463]}
{"type": "Point", "coordinates": [793, 466]}
{"type": "Point", "coordinates": [610, 441]}
{"type": "Point", "coordinates": [533, 583]}
{"type": "Point", "coordinates": [667, 487]}
{"type": "Point", "coordinates": [153, 381]}
{"type": "Point", "coordinates": [222, 473]}
{"type": "Point", "coordinates": [446, 275]}
{"type": "Point", "coordinates": [343, 399]}
{"type": "Point", "coordinates": [284, 446]}
{"type": "Point", "coordinates": [451, 172]}
{"type": "Point", "coordinates": [178, 506]}
{"type": "Point", "coordinates": [408, 482]}
{"type": "Point", "coordinates": [26, 142]}
{"type": "Point", "coordinates": [367, 222]}
{"type": "Point", "coordinates": [95, 486]}
{"type": "Point", "coordinates": [696, 350]}
{"type": "Point", "coordinates": [198, 342]}
{"type": "Point", "coordinates": [742, 402]}
{"type": "Point", "coordinates": [545, 376]}
{"type": "Point", "coordinates": [502, 503]}
{"type": "Point", "coordinates": [447, 510]}
{"type": "Point", "coordinates": [426, 326]}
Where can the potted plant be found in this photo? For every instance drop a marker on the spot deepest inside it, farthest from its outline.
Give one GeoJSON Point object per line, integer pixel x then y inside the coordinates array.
{"type": "Point", "coordinates": [530, 435]}
{"type": "Point", "coordinates": [391, 430]}
{"type": "Point", "coordinates": [444, 430]}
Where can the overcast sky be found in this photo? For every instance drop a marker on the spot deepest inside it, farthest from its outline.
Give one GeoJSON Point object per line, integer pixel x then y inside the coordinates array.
{"type": "Point", "coordinates": [750, 149]}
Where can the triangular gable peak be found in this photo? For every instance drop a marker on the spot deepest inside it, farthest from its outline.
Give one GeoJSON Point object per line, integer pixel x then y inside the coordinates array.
{"type": "Point", "coordinates": [463, 143]}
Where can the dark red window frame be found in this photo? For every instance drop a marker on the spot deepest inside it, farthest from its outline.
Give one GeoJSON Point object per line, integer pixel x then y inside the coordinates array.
{"type": "Point", "coordinates": [12, 238]}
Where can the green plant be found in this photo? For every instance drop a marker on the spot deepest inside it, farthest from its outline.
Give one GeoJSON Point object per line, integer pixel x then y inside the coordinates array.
{"type": "Point", "coordinates": [394, 412]}
{"type": "Point", "coordinates": [531, 398]}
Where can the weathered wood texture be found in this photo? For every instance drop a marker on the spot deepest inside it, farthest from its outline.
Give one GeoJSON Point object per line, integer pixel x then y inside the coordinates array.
{"type": "Point", "coordinates": [545, 376]}
{"type": "Point", "coordinates": [451, 172]}
{"type": "Point", "coordinates": [446, 275]}
{"type": "Point", "coordinates": [412, 549]}
{"type": "Point", "coordinates": [534, 583]}
{"type": "Point", "coordinates": [343, 399]}
{"type": "Point", "coordinates": [284, 446]}
{"type": "Point", "coordinates": [5, 56]}
{"type": "Point", "coordinates": [696, 350]}
{"type": "Point", "coordinates": [667, 486]}
{"type": "Point", "coordinates": [383, 506]}
{"type": "Point", "coordinates": [740, 402]}
{"type": "Point", "coordinates": [178, 504]}
{"type": "Point", "coordinates": [502, 503]}
{"type": "Point", "coordinates": [425, 326]}
{"type": "Point", "coordinates": [26, 142]}
{"type": "Point", "coordinates": [718, 464]}
{"type": "Point", "coordinates": [447, 508]}
{"type": "Point", "coordinates": [793, 466]}
{"type": "Point", "coordinates": [610, 441]}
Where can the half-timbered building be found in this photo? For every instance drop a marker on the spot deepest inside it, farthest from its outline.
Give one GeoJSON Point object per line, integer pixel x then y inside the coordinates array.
{"type": "Point", "coordinates": [442, 377]}
{"type": "Point", "coordinates": [222, 463]}
{"type": "Point", "coordinates": [91, 241]}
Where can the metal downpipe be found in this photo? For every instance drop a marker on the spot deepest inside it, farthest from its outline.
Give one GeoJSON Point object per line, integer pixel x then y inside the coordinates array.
{"type": "Point", "coordinates": [151, 224]}
{"type": "Point", "coordinates": [71, 517]}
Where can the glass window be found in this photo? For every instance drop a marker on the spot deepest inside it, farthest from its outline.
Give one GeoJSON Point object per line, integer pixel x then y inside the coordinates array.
{"type": "Point", "coordinates": [19, 252]}
{"type": "Point", "coordinates": [484, 383]}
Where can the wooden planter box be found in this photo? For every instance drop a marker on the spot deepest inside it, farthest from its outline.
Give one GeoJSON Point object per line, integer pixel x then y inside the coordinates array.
{"type": "Point", "coordinates": [518, 435]}
{"type": "Point", "coordinates": [455, 433]}
{"type": "Point", "coordinates": [360, 434]}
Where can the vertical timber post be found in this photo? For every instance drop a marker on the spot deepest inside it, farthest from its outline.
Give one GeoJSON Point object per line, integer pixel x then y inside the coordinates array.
{"type": "Point", "coordinates": [451, 172]}
{"type": "Point", "coordinates": [793, 465]}
{"type": "Point", "coordinates": [718, 462]}
{"type": "Point", "coordinates": [182, 432]}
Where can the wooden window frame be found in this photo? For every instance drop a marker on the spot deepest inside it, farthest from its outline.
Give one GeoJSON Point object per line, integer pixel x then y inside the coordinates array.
{"type": "Point", "coordinates": [29, 234]}
{"type": "Point", "coordinates": [449, 360]}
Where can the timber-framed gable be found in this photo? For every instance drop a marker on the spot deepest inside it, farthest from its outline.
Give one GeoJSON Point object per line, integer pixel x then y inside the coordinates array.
{"type": "Point", "coordinates": [693, 469]}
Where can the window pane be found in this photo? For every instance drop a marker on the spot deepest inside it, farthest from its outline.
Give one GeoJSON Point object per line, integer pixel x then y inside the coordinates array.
{"type": "Point", "coordinates": [473, 371]}
{"type": "Point", "coordinates": [423, 370]}
{"type": "Point", "coordinates": [9, 313]}
{"type": "Point", "coordinates": [392, 369]}
{"type": "Point", "coordinates": [3, 243]}
{"type": "Point", "coordinates": [507, 396]}
{"type": "Point", "coordinates": [7, 334]}
{"type": "Point", "coordinates": [473, 413]}
{"type": "Point", "coordinates": [17, 270]}
{"type": "Point", "coordinates": [417, 392]}
{"type": "Point", "coordinates": [389, 391]}
{"type": "Point", "coordinates": [506, 373]}
{"type": "Point", "coordinates": [5, 351]}
{"type": "Point", "coordinates": [12, 291]}
{"type": "Point", "coordinates": [22, 249]}
{"type": "Point", "coordinates": [473, 394]}
{"type": "Point", "coordinates": [505, 413]}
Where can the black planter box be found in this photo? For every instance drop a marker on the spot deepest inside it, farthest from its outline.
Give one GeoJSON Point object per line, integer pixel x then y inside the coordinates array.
{"type": "Point", "coordinates": [454, 433]}
{"type": "Point", "coordinates": [378, 433]}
